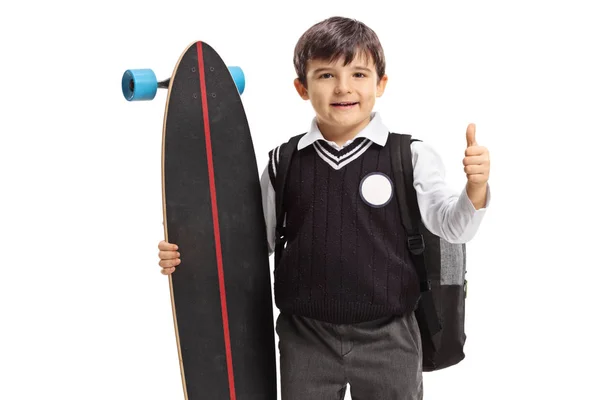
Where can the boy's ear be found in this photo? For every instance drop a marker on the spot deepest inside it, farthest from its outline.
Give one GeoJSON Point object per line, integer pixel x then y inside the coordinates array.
{"type": "Point", "coordinates": [301, 89]}
{"type": "Point", "coordinates": [381, 85]}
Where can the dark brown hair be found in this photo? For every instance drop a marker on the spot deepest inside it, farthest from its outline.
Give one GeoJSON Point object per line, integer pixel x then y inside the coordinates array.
{"type": "Point", "coordinates": [334, 38]}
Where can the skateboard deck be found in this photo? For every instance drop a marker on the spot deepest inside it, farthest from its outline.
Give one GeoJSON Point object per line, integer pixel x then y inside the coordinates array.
{"type": "Point", "coordinates": [221, 291]}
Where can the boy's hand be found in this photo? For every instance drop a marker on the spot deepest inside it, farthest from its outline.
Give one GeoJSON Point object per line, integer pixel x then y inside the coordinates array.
{"type": "Point", "coordinates": [476, 161]}
{"type": "Point", "coordinates": [477, 168]}
{"type": "Point", "coordinates": [169, 257]}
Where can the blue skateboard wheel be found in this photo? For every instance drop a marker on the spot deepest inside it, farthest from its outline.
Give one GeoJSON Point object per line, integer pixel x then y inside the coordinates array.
{"type": "Point", "coordinates": [139, 84]}
{"type": "Point", "coordinates": [238, 77]}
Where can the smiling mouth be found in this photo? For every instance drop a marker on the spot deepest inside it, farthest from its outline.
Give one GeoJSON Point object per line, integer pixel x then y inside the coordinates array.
{"type": "Point", "coordinates": [344, 104]}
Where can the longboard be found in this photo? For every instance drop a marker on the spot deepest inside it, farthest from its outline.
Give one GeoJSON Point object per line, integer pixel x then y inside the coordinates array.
{"type": "Point", "coordinates": [221, 291]}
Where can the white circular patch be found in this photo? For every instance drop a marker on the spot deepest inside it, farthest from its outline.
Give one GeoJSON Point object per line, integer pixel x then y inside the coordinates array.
{"type": "Point", "coordinates": [376, 189]}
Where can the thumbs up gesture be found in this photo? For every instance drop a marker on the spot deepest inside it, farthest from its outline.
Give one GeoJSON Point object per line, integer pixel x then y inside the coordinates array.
{"type": "Point", "coordinates": [476, 161]}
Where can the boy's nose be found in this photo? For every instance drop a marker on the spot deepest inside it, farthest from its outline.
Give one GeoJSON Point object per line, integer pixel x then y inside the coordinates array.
{"type": "Point", "coordinates": [342, 86]}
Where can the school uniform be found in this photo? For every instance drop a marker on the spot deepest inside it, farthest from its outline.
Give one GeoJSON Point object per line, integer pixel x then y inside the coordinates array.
{"type": "Point", "coordinates": [346, 286]}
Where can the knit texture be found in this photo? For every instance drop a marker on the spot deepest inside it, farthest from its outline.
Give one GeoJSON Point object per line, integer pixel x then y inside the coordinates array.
{"type": "Point", "coordinates": [345, 261]}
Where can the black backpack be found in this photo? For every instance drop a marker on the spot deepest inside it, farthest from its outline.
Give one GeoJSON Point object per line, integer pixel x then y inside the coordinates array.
{"type": "Point", "coordinates": [441, 265]}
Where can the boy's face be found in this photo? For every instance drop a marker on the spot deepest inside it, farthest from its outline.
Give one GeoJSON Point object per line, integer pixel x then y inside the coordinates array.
{"type": "Point", "coordinates": [342, 96]}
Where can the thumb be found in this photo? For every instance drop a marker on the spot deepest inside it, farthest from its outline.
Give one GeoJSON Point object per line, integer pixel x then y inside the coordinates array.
{"type": "Point", "coordinates": [471, 136]}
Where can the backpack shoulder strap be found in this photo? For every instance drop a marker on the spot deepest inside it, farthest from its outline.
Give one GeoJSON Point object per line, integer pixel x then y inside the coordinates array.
{"type": "Point", "coordinates": [405, 192]}
{"type": "Point", "coordinates": [401, 155]}
{"type": "Point", "coordinates": [279, 162]}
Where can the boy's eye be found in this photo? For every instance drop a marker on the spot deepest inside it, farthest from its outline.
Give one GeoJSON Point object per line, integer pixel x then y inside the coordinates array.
{"type": "Point", "coordinates": [328, 75]}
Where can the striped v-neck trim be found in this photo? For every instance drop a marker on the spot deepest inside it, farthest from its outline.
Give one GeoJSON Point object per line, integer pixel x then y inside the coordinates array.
{"type": "Point", "coordinates": [337, 159]}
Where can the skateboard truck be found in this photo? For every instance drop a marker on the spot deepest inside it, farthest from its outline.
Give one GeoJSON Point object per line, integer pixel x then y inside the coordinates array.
{"type": "Point", "coordinates": [164, 84]}
{"type": "Point", "coordinates": [141, 84]}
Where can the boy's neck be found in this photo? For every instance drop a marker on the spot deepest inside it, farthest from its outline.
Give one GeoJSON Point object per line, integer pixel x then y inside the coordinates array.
{"type": "Point", "coordinates": [342, 134]}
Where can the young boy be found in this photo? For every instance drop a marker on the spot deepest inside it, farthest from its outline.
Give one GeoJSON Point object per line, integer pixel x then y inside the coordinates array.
{"type": "Point", "coordinates": [346, 287]}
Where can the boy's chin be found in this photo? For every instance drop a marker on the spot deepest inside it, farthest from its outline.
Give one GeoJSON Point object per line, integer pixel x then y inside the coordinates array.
{"type": "Point", "coordinates": [349, 122]}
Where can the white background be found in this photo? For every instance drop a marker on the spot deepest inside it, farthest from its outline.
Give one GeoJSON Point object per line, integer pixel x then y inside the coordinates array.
{"type": "Point", "coordinates": [84, 311]}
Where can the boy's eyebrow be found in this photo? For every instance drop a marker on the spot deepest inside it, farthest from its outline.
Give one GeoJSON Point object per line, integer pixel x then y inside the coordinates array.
{"type": "Point", "coordinates": [323, 69]}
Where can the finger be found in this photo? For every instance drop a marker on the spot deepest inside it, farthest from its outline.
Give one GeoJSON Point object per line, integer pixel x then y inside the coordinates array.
{"type": "Point", "coordinates": [167, 271]}
{"type": "Point", "coordinates": [168, 255]}
{"type": "Point", "coordinates": [169, 263]}
{"type": "Point", "coordinates": [476, 151]}
{"type": "Point", "coordinates": [475, 169]}
{"type": "Point", "coordinates": [478, 178]}
{"type": "Point", "coordinates": [166, 246]}
{"type": "Point", "coordinates": [471, 135]}
{"type": "Point", "coordinates": [476, 160]}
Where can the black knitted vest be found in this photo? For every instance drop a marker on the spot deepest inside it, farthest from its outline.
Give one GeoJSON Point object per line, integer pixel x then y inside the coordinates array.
{"type": "Point", "coordinates": [346, 259]}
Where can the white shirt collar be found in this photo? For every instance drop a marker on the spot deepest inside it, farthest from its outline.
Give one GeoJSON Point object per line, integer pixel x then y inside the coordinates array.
{"type": "Point", "coordinates": [375, 131]}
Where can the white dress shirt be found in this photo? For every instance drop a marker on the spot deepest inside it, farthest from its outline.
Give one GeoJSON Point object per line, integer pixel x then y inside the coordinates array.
{"type": "Point", "coordinates": [445, 212]}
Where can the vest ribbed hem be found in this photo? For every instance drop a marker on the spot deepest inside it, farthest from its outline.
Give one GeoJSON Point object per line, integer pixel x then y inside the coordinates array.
{"type": "Point", "coordinates": [336, 312]}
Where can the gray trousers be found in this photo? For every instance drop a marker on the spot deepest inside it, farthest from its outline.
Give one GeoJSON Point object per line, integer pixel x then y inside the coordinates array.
{"type": "Point", "coordinates": [381, 359]}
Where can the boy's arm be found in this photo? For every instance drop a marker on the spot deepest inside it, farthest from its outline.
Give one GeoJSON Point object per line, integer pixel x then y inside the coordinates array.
{"type": "Point", "coordinates": [268, 202]}
{"type": "Point", "coordinates": [452, 216]}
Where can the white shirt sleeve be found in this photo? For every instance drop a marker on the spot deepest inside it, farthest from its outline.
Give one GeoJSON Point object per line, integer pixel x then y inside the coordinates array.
{"type": "Point", "coordinates": [446, 213]}
{"type": "Point", "coordinates": [268, 203]}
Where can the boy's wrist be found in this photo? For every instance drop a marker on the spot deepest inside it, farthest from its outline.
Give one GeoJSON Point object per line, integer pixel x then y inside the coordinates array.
{"type": "Point", "coordinates": [477, 193]}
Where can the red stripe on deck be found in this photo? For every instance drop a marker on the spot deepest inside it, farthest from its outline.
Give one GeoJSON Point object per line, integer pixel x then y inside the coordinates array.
{"type": "Point", "coordinates": [215, 210]}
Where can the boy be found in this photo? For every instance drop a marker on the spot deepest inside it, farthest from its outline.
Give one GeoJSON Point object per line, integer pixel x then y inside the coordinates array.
{"type": "Point", "coordinates": [346, 287]}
